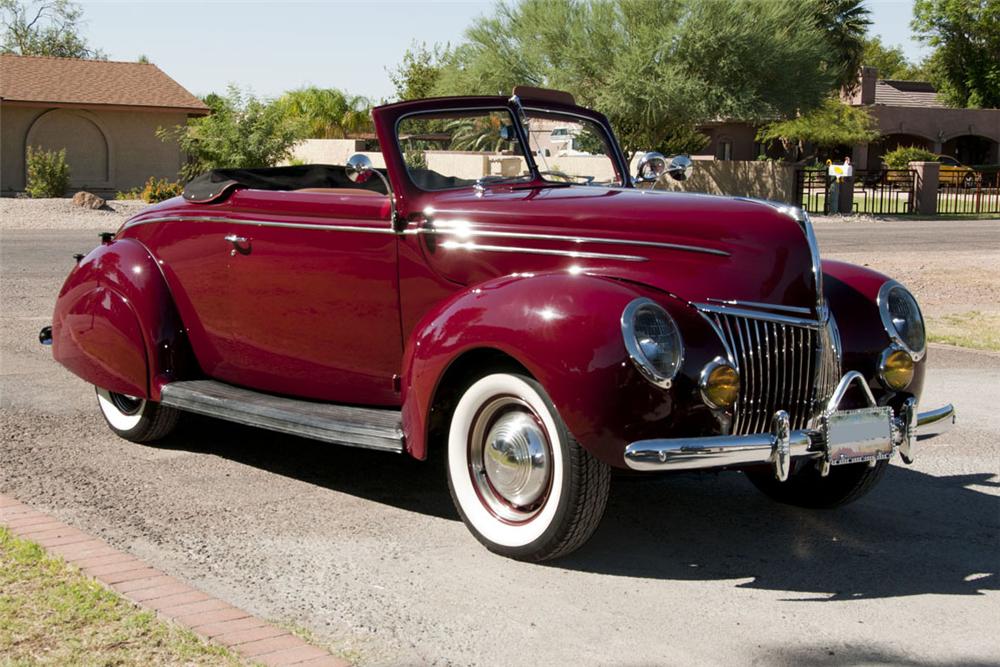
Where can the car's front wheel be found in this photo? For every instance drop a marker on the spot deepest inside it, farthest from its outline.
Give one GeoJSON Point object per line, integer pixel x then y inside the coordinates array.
{"type": "Point", "coordinates": [134, 418]}
{"type": "Point", "coordinates": [523, 486]}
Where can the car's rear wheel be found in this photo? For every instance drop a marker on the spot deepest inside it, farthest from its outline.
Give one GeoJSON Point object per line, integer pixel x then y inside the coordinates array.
{"type": "Point", "coordinates": [523, 486]}
{"type": "Point", "coordinates": [135, 418]}
{"type": "Point", "coordinates": [807, 488]}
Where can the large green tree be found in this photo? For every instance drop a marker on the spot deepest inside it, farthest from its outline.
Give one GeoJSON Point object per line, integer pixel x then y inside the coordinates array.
{"type": "Point", "coordinates": [243, 131]}
{"type": "Point", "coordinates": [416, 76]}
{"type": "Point", "coordinates": [831, 125]}
{"type": "Point", "coordinates": [326, 113]}
{"type": "Point", "coordinates": [891, 62]}
{"type": "Point", "coordinates": [656, 69]}
{"type": "Point", "coordinates": [44, 28]}
{"type": "Point", "coordinates": [965, 35]}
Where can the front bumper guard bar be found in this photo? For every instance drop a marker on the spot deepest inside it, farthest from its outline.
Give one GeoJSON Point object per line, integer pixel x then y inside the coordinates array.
{"type": "Point", "coordinates": [782, 445]}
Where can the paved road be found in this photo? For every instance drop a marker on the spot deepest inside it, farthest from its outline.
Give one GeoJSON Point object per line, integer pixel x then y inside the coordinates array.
{"type": "Point", "coordinates": [365, 550]}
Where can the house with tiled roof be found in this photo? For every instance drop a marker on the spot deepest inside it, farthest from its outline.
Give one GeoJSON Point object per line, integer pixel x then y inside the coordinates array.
{"type": "Point", "coordinates": [909, 113]}
{"type": "Point", "coordinates": [104, 114]}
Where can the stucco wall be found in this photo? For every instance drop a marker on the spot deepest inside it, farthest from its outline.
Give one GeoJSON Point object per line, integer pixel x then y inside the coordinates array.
{"type": "Point", "coordinates": [107, 151]}
{"type": "Point", "coordinates": [764, 180]}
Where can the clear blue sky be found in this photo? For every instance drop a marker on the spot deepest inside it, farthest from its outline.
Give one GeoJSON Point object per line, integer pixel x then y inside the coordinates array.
{"type": "Point", "coordinates": [273, 46]}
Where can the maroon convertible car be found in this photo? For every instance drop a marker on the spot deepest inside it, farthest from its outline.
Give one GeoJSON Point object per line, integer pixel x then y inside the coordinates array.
{"type": "Point", "coordinates": [493, 285]}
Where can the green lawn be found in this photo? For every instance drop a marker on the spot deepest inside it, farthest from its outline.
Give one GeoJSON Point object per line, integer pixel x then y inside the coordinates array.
{"type": "Point", "coordinates": [972, 329]}
{"type": "Point", "coordinates": [51, 614]}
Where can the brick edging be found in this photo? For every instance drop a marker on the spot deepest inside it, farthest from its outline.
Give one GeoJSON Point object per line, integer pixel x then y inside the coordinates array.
{"type": "Point", "coordinates": [171, 599]}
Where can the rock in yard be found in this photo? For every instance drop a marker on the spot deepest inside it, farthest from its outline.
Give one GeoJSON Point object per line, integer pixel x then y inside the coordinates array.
{"type": "Point", "coordinates": [88, 200]}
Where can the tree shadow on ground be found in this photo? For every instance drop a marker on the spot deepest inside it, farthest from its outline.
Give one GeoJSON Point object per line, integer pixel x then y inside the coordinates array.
{"type": "Point", "coordinates": [914, 534]}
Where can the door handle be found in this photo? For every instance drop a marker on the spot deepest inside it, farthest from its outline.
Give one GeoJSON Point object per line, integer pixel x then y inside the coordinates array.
{"type": "Point", "coordinates": [240, 244]}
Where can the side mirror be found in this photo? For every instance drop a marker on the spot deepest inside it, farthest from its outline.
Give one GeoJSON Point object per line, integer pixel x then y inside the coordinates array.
{"type": "Point", "coordinates": [359, 168]}
{"type": "Point", "coordinates": [650, 166]}
{"type": "Point", "coordinates": [680, 167]}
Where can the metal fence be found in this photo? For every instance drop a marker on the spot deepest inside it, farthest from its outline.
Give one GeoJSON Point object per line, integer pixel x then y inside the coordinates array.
{"type": "Point", "coordinates": [876, 191]}
{"type": "Point", "coordinates": [962, 190]}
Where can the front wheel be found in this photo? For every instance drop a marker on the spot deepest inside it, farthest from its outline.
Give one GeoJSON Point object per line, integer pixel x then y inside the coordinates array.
{"type": "Point", "coordinates": [807, 488]}
{"type": "Point", "coordinates": [136, 419]}
{"type": "Point", "coordinates": [523, 486]}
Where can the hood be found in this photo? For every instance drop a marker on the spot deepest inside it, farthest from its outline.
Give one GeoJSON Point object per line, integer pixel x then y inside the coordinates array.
{"type": "Point", "coordinates": [696, 247]}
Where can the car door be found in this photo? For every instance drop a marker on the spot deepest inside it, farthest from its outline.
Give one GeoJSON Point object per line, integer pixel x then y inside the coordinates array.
{"type": "Point", "coordinates": [313, 290]}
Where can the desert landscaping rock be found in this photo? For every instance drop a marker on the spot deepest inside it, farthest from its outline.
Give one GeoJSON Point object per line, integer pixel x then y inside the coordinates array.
{"type": "Point", "coordinates": [88, 200]}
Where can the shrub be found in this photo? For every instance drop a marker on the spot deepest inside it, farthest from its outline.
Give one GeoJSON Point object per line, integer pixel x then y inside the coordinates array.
{"type": "Point", "coordinates": [155, 190]}
{"type": "Point", "coordinates": [48, 173]}
{"type": "Point", "coordinates": [902, 156]}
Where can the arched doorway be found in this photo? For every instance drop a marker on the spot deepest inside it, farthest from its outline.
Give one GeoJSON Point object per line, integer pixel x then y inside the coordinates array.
{"type": "Point", "coordinates": [88, 150]}
{"type": "Point", "coordinates": [971, 149]}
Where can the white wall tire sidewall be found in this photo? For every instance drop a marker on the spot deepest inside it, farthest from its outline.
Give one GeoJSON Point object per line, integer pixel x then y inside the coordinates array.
{"type": "Point", "coordinates": [485, 523]}
{"type": "Point", "coordinates": [116, 418]}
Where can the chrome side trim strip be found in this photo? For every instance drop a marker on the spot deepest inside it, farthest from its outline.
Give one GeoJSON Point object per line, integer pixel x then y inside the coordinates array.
{"type": "Point", "coordinates": [260, 223]}
{"type": "Point", "coordinates": [758, 304]}
{"type": "Point", "coordinates": [571, 239]}
{"type": "Point", "coordinates": [577, 254]}
{"type": "Point", "coordinates": [758, 315]}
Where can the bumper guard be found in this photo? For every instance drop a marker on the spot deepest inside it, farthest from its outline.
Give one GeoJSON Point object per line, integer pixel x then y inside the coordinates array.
{"type": "Point", "coordinates": [843, 436]}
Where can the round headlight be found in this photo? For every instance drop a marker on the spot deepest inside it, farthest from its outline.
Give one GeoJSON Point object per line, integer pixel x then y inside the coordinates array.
{"type": "Point", "coordinates": [902, 319]}
{"type": "Point", "coordinates": [896, 368]}
{"type": "Point", "coordinates": [653, 341]}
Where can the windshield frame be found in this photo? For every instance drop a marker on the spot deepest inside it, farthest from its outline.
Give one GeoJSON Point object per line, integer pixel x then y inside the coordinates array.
{"type": "Point", "coordinates": [611, 144]}
{"type": "Point", "coordinates": [533, 174]}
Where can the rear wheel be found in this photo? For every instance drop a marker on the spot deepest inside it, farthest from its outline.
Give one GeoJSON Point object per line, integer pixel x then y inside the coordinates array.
{"type": "Point", "coordinates": [807, 488]}
{"type": "Point", "coordinates": [134, 418]}
{"type": "Point", "coordinates": [523, 486]}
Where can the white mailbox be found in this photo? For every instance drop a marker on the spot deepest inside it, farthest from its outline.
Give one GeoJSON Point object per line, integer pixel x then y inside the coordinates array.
{"type": "Point", "coordinates": [843, 170]}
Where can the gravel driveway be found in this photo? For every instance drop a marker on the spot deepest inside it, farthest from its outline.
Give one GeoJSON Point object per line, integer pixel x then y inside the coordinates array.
{"type": "Point", "coordinates": [365, 550]}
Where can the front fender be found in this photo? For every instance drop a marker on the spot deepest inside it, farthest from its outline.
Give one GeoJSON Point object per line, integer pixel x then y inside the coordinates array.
{"type": "Point", "coordinates": [115, 324]}
{"type": "Point", "coordinates": [852, 294]}
{"type": "Point", "coordinates": [566, 331]}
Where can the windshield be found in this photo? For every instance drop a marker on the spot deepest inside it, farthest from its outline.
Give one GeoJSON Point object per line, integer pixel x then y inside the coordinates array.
{"type": "Point", "coordinates": [570, 149]}
{"type": "Point", "coordinates": [455, 149]}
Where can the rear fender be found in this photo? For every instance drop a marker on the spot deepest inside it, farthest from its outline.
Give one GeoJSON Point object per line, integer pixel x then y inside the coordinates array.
{"type": "Point", "coordinates": [115, 324]}
{"type": "Point", "coordinates": [565, 330]}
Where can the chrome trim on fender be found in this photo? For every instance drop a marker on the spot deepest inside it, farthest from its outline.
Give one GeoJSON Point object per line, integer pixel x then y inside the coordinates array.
{"type": "Point", "coordinates": [577, 254]}
{"type": "Point", "coordinates": [260, 223]}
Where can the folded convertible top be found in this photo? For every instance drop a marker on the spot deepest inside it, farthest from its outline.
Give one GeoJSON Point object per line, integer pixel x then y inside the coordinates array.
{"type": "Point", "coordinates": [217, 184]}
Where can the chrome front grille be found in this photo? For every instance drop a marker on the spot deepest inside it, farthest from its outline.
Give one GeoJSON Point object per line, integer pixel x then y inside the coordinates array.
{"type": "Point", "coordinates": [783, 365]}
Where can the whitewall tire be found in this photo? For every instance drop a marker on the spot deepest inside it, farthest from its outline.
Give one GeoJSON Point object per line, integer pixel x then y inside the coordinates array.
{"type": "Point", "coordinates": [522, 484]}
{"type": "Point", "coordinates": [136, 419]}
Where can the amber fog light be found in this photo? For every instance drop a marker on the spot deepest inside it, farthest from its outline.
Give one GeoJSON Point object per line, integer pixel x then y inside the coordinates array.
{"type": "Point", "coordinates": [720, 384]}
{"type": "Point", "coordinates": [896, 368]}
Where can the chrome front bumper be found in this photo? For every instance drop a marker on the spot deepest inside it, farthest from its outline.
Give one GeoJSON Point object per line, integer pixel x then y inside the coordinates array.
{"type": "Point", "coordinates": [843, 436]}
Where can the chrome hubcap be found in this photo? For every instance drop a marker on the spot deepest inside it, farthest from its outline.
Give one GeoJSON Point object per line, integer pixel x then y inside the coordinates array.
{"type": "Point", "coordinates": [510, 460]}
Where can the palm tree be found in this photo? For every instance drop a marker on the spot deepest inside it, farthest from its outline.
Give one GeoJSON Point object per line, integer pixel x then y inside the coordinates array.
{"type": "Point", "coordinates": [845, 23]}
{"type": "Point", "coordinates": [327, 113]}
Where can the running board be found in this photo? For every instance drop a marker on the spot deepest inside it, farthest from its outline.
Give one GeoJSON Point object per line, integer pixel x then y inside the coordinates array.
{"type": "Point", "coordinates": [371, 428]}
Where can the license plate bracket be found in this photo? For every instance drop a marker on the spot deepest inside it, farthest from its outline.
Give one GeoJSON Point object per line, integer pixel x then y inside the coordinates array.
{"type": "Point", "coordinates": [859, 436]}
